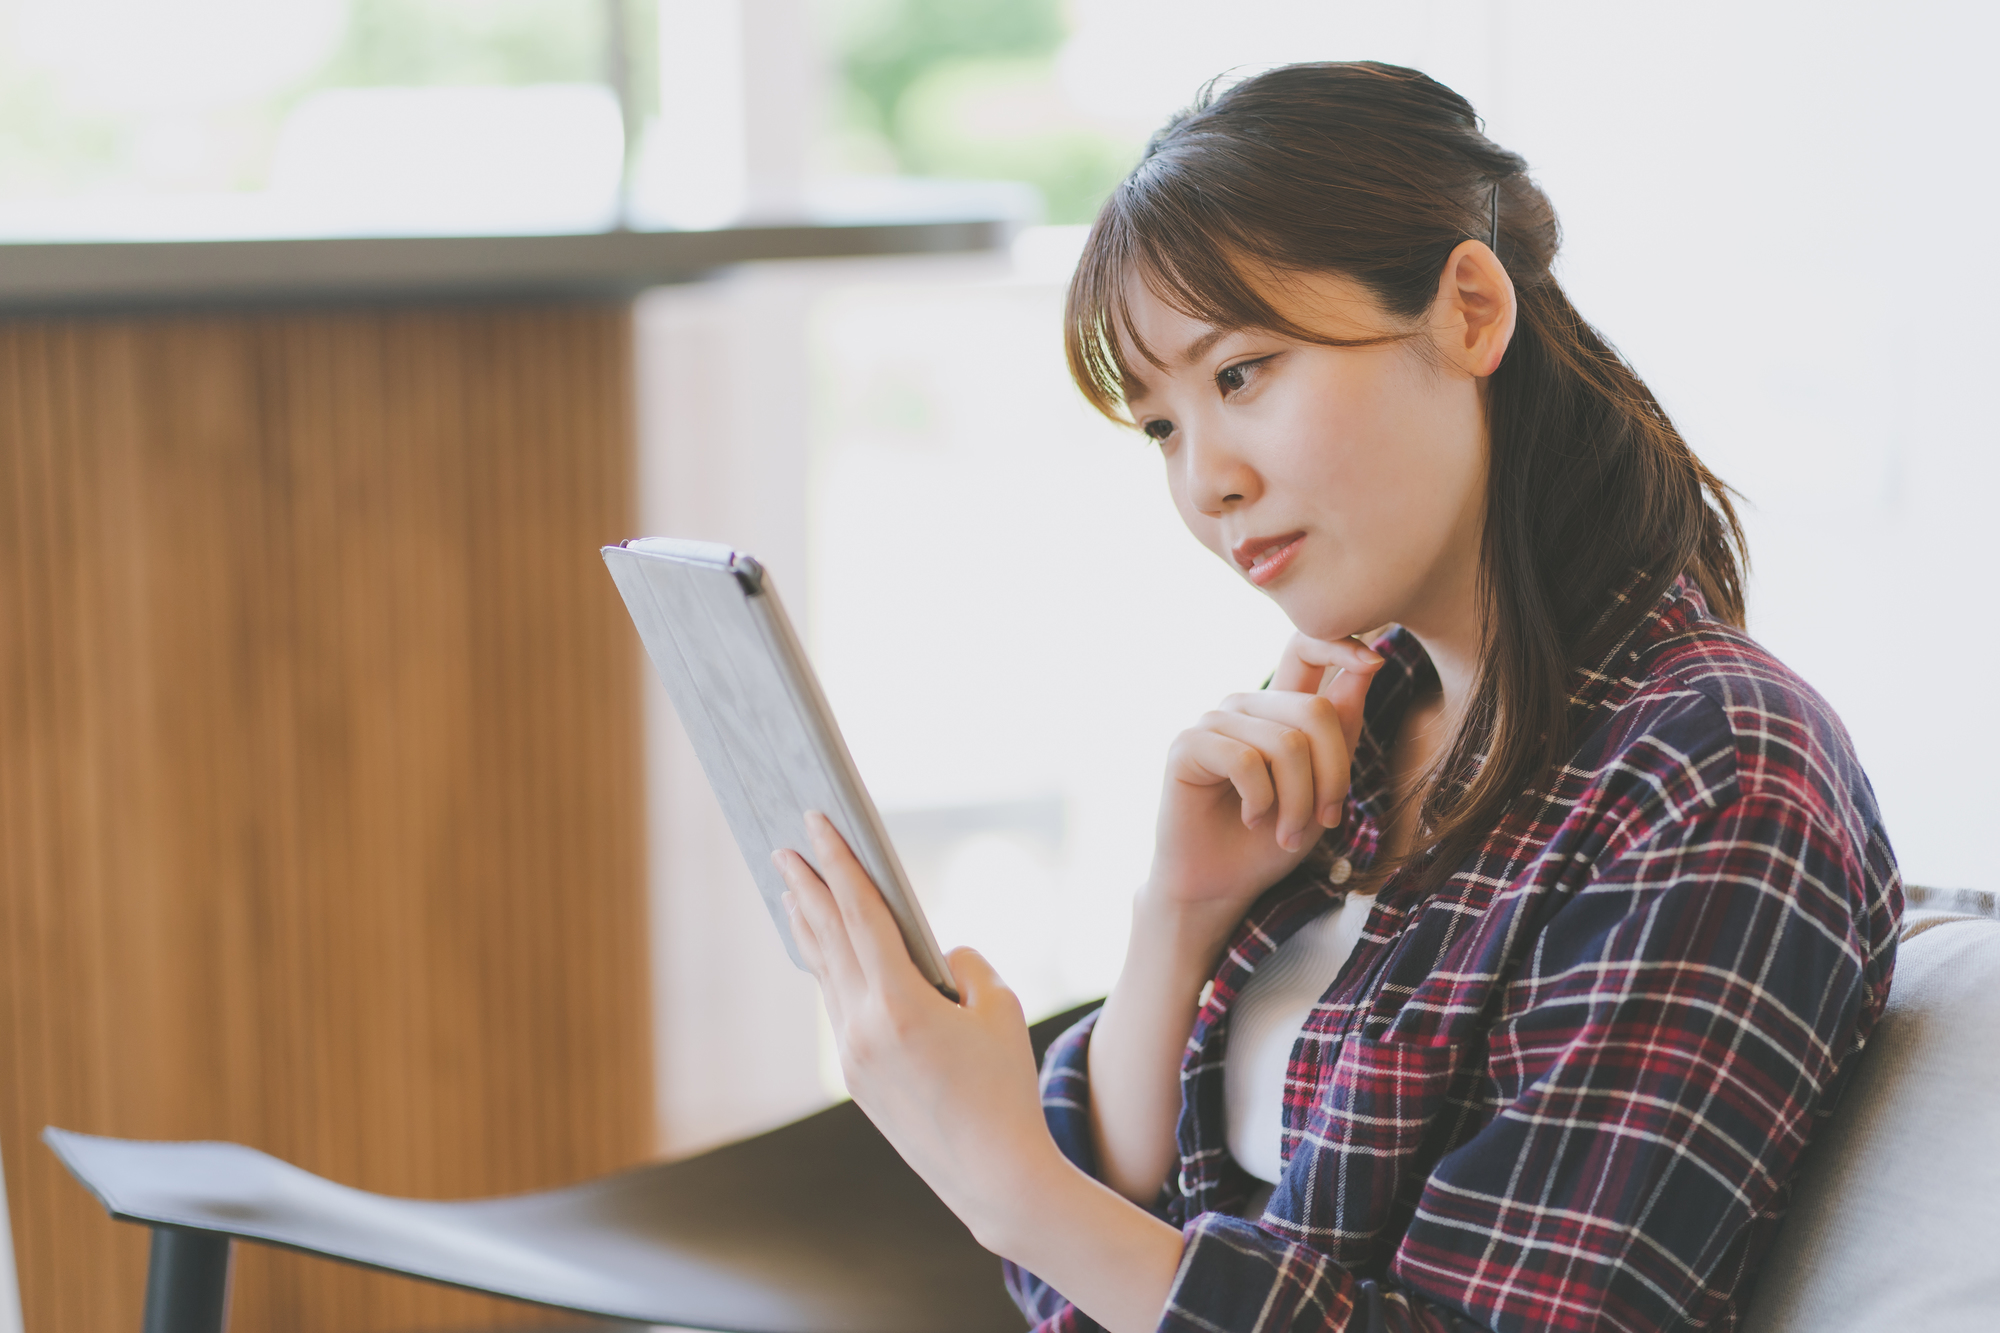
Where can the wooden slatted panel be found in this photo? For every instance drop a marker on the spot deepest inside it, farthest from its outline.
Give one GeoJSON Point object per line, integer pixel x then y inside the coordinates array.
{"type": "Point", "coordinates": [320, 825]}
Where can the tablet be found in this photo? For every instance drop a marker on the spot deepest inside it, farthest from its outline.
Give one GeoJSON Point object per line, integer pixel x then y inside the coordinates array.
{"type": "Point", "coordinates": [748, 699]}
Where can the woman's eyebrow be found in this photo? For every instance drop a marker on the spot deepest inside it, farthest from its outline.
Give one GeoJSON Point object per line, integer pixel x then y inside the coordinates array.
{"type": "Point", "coordinates": [1135, 388]}
{"type": "Point", "coordinates": [1199, 347]}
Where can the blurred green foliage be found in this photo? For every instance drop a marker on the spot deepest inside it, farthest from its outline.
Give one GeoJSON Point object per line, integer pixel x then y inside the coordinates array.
{"type": "Point", "coordinates": [945, 88]}
{"type": "Point", "coordinates": [967, 89]}
{"type": "Point", "coordinates": [44, 147]}
{"type": "Point", "coordinates": [49, 144]}
{"type": "Point", "coordinates": [891, 44]}
{"type": "Point", "coordinates": [402, 43]}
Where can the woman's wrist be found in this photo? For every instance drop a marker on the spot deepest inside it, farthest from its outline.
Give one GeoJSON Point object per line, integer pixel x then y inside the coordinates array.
{"type": "Point", "coordinates": [1114, 1260]}
{"type": "Point", "coordinates": [1136, 1048]}
{"type": "Point", "coordinates": [1040, 1184]}
{"type": "Point", "coordinates": [1181, 937]}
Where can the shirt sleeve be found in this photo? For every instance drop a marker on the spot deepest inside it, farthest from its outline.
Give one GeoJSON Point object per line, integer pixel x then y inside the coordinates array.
{"type": "Point", "coordinates": [1328, 1298]}
{"type": "Point", "coordinates": [1653, 1074]}
{"type": "Point", "coordinates": [1066, 1107]}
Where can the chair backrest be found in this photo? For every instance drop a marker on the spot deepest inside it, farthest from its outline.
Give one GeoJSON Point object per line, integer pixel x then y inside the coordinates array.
{"type": "Point", "coordinates": [1896, 1221]}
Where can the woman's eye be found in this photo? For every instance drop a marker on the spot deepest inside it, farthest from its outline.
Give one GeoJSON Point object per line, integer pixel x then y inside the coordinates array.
{"type": "Point", "coordinates": [1232, 378]}
{"type": "Point", "coordinates": [1158, 429]}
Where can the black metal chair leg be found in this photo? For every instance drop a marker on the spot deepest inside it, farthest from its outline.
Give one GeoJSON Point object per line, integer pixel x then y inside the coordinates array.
{"type": "Point", "coordinates": [187, 1281]}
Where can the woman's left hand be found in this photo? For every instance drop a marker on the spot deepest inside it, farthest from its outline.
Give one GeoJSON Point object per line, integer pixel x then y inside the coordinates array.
{"type": "Point", "coordinates": [953, 1089]}
{"type": "Point", "coordinates": [951, 1086]}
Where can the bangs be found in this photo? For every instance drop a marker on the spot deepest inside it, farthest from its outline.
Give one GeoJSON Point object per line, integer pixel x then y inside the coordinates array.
{"type": "Point", "coordinates": [1188, 254]}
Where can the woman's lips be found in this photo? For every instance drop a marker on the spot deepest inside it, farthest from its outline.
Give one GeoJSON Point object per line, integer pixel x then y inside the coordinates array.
{"type": "Point", "coordinates": [1264, 560]}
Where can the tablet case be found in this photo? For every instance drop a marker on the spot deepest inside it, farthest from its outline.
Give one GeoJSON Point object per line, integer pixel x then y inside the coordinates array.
{"type": "Point", "coordinates": [750, 703]}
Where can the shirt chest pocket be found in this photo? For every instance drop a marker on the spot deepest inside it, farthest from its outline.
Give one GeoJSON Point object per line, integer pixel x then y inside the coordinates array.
{"type": "Point", "coordinates": [1368, 1137]}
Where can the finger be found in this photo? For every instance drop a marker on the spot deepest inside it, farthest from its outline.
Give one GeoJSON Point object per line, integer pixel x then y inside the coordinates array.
{"type": "Point", "coordinates": [809, 950]}
{"type": "Point", "coordinates": [870, 927]}
{"type": "Point", "coordinates": [813, 904]}
{"type": "Point", "coordinates": [1347, 691]}
{"type": "Point", "coordinates": [1202, 758]}
{"type": "Point", "coordinates": [1287, 753]}
{"type": "Point", "coordinates": [985, 995]}
{"type": "Point", "coordinates": [1304, 664]}
{"type": "Point", "coordinates": [802, 935]}
{"type": "Point", "coordinates": [1316, 718]}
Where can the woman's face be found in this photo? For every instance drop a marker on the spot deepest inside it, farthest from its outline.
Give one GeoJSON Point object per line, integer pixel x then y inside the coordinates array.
{"type": "Point", "coordinates": [1348, 483]}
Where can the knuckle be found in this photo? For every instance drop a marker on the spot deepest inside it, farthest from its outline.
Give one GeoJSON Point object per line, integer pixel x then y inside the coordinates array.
{"type": "Point", "coordinates": [889, 1023]}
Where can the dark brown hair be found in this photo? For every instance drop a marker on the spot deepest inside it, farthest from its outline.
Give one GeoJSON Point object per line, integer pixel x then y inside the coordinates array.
{"type": "Point", "coordinates": [1594, 503]}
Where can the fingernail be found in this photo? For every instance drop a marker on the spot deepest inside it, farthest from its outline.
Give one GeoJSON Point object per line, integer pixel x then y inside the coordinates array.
{"type": "Point", "coordinates": [1371, 657]}
{"type": "Point", "coordinates": [1330, 816]}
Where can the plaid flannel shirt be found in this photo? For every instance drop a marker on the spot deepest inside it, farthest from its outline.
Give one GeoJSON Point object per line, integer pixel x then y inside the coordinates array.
{"type": "Point", "coordinates": [1570, 1089]}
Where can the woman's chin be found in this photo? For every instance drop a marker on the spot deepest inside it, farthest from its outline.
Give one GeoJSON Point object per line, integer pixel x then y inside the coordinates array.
{"type": "Point", "coordinates": [1327, 628]}
{"type": "Point", "coordinates": [1339, 603]}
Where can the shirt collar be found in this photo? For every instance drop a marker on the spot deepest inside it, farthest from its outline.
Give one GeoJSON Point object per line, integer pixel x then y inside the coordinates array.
{"type": "Point", "coordinates": [1310, 889]}
{"type": "Point", "coordinates": [1600, 682]}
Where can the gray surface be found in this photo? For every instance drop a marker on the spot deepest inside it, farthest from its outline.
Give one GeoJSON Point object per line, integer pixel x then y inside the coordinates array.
{"type": "Point", "coordinates": [1896, 1222]}
{"type": "Point", "coordinates": [816, 1228]}
{"type": "Point", "coordinates": [121, 275]}
{"type": "Point", "coordinates": [753, 711]}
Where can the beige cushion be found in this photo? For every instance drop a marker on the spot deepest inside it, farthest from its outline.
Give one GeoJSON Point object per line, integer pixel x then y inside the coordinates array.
{"type": "Point", "coordinates": [1896, 1223]}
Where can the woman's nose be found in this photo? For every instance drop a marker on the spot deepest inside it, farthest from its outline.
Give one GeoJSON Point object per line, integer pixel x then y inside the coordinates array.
{"type": "Point", "coordinates": [1218, 476]}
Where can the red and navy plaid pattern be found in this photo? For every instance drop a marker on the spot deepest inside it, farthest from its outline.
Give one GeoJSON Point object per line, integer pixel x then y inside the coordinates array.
{"type": "Point", "coordinates": [1570, 1089]}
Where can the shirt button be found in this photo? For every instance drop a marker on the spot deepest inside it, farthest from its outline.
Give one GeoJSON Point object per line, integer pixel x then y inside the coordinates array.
{"type": "Point", "coordinates": [1207, 992]}
{"type": "Point", "coordinates": [1341, 871]}
{"type": "Point", "coordinates": [1187, 1186]}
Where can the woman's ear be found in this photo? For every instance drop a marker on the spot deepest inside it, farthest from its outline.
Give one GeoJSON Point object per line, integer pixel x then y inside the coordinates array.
{"type": "Point", "coordinates": [1473, 315]}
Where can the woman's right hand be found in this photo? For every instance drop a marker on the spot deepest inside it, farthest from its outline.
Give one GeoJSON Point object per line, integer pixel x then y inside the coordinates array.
{"type": "Point", "coordinates": [1254, 784]}
{"type": "Point", "coordinates": [1249, 790]}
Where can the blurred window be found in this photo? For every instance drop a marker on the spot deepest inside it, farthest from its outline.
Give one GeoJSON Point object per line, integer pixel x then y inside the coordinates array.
{"type": "Point", "coordinates": [971, 89]}
{"type": "Point", "coordinates": [181, 118]}
{"type": "Point", "coordinates": [216, 118]}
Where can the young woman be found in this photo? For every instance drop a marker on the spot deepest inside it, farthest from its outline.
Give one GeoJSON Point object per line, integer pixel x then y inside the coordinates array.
{"type": "Point", "coordinates": [1493, 971]}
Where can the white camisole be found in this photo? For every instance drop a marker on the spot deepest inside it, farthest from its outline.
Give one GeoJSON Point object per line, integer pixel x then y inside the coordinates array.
{"type": "Point", "coordinates": [1264, 1025]}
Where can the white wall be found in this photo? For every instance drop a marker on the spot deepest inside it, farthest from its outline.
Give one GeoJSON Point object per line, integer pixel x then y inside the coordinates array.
{"type": "Point", "coordinates": [1776, 211]}
{"type": "Point", "coordinates": [739, 80]}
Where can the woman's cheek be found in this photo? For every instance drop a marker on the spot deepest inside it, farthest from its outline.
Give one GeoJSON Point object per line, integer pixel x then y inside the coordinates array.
{"type": "Point", "coordinates": [1204, 529]}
